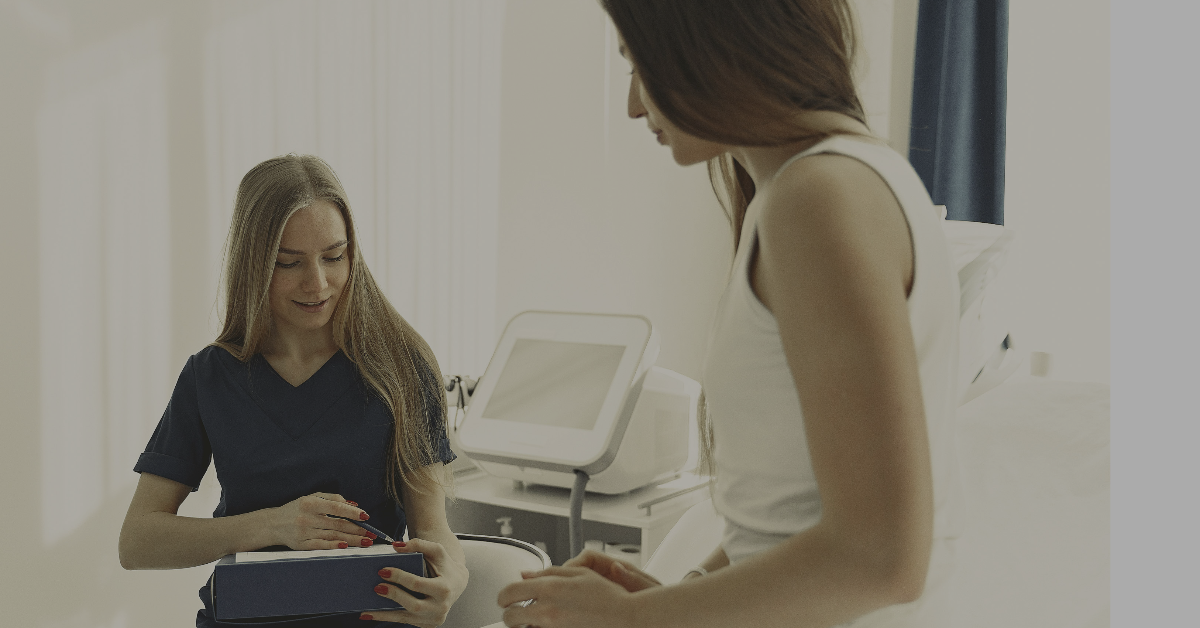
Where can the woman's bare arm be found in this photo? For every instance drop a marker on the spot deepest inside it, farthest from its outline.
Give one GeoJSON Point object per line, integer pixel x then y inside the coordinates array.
{"type": "Point", "coordinates": [426, 517]}
{"type": "Point", "coordinates": [154, 536]}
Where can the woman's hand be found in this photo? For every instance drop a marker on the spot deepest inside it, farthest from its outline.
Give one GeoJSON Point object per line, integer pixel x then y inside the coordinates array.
{"type": "Point", "coordinates": [619, 571]}
{"type": "Point", "coordinates": [583, 592]}
{"type": "Point", "coordinates": [308, 523]}
{"type": "Point", "coordinates": [447, 581]}
{"type": "Point", "coordinates": [562, 597]}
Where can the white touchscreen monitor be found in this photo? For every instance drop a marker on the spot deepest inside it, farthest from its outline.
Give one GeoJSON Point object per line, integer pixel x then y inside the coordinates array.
{"type": "Point", "coordinates": [550, 382]}
{"type": "Point", "coordinates": [555, 389]}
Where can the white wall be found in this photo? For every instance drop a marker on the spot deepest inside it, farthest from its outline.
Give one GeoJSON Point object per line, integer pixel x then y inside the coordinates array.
{"type": "Point", "coordinates": [1056, 193]}
{"type": "Point", "coordinates": [130, 68]}
{"type": "Point", "coordinates": [594, 214]}
{"type": "Point", "coordinates": [589, 223]}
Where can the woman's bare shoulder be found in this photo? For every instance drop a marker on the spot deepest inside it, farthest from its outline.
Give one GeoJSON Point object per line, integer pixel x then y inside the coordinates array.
{"type": "Point", "coordinates": [827, 211]}
{"type": "Point", "coordinates": [827, 178]}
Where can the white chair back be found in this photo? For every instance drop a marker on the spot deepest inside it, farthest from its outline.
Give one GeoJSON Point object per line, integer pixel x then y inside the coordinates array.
{"type": "Point", "coordinates": [691, 540]}
{"type": "Point", "coordinates": [493, 562]}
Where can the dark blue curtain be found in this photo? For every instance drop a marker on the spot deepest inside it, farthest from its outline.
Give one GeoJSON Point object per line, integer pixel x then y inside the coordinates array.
{"type": "Point", "coordinates": [956, 141]}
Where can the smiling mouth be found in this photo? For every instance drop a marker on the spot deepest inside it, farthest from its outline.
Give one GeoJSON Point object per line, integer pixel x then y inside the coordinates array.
{"type": "Point", "coordinates": [311, 303]}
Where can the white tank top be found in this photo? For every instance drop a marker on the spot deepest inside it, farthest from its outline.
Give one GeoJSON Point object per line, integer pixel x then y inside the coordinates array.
{"type": "Point", "coordinates": [765, 486]}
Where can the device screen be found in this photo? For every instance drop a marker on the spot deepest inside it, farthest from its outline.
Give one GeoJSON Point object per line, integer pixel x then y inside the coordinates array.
{"type": "Point", "coordinates": [546, 382]}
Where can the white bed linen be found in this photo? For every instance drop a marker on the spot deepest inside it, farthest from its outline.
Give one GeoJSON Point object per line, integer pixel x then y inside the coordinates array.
{"type": "Point", "coordinates": [1034, 455]}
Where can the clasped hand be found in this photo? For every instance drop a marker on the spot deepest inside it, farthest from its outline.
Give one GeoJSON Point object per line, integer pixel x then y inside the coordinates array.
{"type": "Point", "coordinates": [447, 581]}
{"type": "Point", "coordinates": [592, 589]}
{"type": "Point", "coordinates": [309, 523]}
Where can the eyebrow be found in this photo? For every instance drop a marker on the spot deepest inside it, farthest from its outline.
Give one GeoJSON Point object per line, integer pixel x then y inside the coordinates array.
{"type": "Point", "coordinates": [328, 248]}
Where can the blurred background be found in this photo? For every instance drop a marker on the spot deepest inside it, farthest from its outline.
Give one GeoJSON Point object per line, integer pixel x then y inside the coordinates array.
{"type": "Point", "coordinates": [491, 169]}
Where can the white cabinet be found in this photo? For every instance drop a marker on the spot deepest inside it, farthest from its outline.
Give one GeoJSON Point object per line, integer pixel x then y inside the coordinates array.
{"type": "Point", "coordinates": [539, 513]}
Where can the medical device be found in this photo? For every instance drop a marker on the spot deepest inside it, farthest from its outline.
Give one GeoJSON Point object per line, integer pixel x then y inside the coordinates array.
{"type": "Point", "coordinates": [569, 393]}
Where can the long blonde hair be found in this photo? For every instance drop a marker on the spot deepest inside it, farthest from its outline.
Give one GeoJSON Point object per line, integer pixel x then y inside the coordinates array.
{"type": "Point", "coordinates": [392, 358]}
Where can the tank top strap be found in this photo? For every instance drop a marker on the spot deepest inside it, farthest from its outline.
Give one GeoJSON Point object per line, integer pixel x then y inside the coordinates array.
{"type": "Point", "coordinates": [750, 220]}
{"type": "Point", "coordinates": [811, 150]}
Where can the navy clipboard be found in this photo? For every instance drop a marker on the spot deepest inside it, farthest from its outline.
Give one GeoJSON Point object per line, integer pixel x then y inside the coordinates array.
{"type": "Point", "coordinates": [305, 583]}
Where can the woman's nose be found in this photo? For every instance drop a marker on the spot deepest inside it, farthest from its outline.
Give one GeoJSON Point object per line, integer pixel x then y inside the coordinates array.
{"type": "Point", "coordinates": [314, 279]}
{"type": "Point", "coordinates": [634, 104]}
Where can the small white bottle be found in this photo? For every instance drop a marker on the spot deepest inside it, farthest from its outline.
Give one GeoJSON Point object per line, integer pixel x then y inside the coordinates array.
{"type": "Point", "coordinates": [1040, 364]}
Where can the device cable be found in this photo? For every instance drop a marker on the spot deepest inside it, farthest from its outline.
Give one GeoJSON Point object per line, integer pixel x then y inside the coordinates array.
{"type": "Point", "coordinates": [466, 387]}
{"type": "Point", "coordinates": [575, 519]}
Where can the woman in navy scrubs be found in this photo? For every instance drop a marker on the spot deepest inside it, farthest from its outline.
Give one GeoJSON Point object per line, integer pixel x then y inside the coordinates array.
{"type": "Point", "coordinates": [316, 399]}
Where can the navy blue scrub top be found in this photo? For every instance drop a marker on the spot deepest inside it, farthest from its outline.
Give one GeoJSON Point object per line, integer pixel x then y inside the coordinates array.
{"type": "Point", "coordinates": [272, 442]}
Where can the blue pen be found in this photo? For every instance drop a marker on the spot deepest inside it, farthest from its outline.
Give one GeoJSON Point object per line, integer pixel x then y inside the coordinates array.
{"type": "Point", "coordinates": [367, 527]}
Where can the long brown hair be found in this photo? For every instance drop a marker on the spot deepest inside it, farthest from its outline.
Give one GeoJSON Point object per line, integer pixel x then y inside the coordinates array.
{"type": "Point", "coordinates": [739, 73]}
{"type": "Point", "coordinates": [392, 358]}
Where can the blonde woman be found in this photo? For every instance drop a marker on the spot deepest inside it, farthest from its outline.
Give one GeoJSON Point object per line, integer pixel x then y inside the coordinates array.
{"type": "Point", "coordinates": [830, 372]}
{"type": "Point", "coordinates": [316, 399]}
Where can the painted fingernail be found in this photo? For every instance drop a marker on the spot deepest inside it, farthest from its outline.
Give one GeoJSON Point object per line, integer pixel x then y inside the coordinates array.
{"type": "Point", "coordinates": [342, 545]}
{"type": "Point", "coordinates": [385, 573]}
{"type": "Point", "coordinates": [363, 516]}
{"type": "Point", "coordinates": [351, 503]}
{"type": "Point", "coordinates": [372, 536]}
{"type": "Point", "coordinates": [365, 542]}
{"type": "Point", "coordinates": [399, 544]}
{"type": "Point", "coordinates": [365, 617]}
{"type": "Point", "coordinates": [381, 589]}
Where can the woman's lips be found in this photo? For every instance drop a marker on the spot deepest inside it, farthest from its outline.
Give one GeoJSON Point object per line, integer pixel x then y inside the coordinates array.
{"type": "Point", "coordinates": [661, 138]}
{"type": "Point", "coordinates": [310, 307]}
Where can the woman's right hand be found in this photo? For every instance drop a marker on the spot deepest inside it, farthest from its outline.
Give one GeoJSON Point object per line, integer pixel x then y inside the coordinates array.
{"type": "Point", "coordinates": [305, 523]}
{"type": "Point", "coordinates": [625, 574]}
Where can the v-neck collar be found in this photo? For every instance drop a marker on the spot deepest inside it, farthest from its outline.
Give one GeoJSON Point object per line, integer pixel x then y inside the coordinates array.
{"type": "Point", "coordinates": [266, 365]}
{"type": "Point", "coordinates": [296, 409]}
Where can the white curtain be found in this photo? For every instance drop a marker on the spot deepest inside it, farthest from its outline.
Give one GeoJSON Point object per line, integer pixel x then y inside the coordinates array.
{"type": "Point", "coordinates": [103, 270]}
{"type": "Point", "coordinates": [402, 98]}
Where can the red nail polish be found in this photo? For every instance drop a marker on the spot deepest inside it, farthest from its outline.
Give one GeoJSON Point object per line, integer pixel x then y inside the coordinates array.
{"type": "Point", "coordinates": [399, 544]}
{"type": "Point", "coordinates": [352, 503]}
{"type": "Point", "coordinates": [372, 536]}
{"type": "Point", "coordinates": [363, 516]}
{"type": "Point", "coordinates": [342, 545]}
{"type": "Point", "coordinates": [366, 542]}
{"type": "Point", "coordinates": [368, 617]}
{"type": "Point", "coordinates": [381, 589]}
{"type": "Point", "coordinates": [385, 573]}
